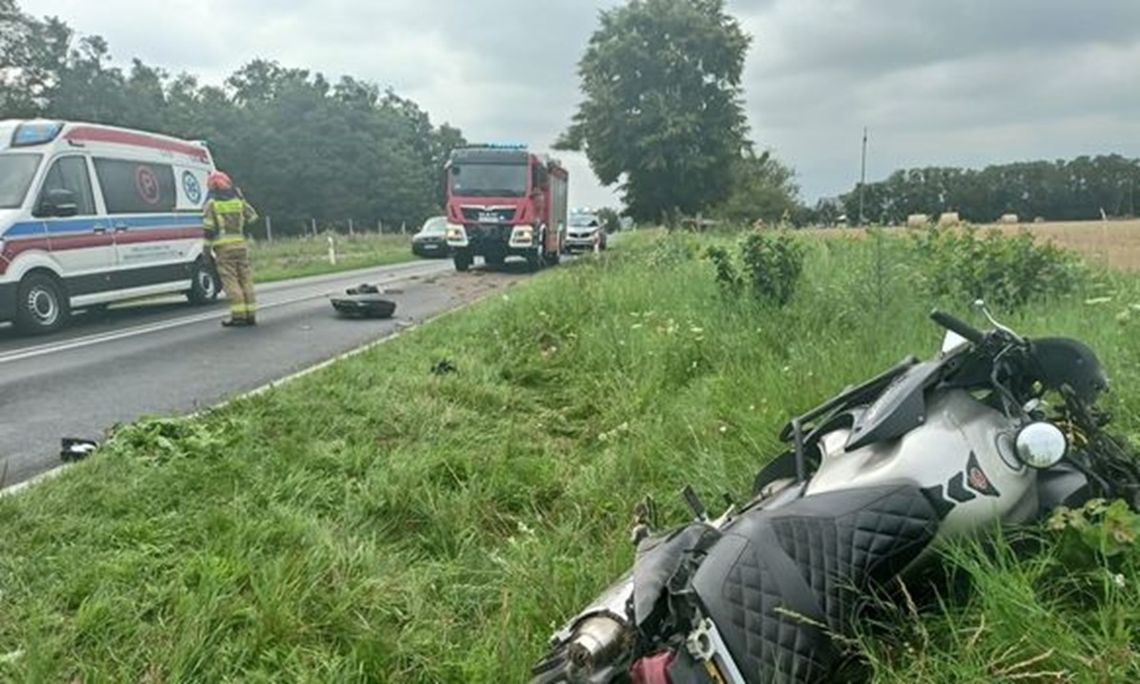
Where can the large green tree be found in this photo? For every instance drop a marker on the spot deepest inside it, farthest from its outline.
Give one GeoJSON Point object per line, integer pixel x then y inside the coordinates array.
{"type": "Point", "coordinates": [662, 113]}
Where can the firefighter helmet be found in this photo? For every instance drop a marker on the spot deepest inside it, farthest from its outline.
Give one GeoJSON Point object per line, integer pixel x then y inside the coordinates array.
{"type": "Point", "coordinates": [218, 180]}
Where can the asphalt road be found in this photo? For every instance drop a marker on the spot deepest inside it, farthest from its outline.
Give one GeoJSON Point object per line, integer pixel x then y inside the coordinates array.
{"type": "Point", "coordinates": [167, 357]}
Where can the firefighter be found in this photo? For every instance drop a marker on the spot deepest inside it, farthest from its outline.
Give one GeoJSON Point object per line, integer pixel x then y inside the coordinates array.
{"type": "Point", "coordinates": [225, 217]}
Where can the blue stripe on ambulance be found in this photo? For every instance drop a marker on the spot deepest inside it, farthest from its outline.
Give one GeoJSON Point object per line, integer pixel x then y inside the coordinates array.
{"type": "Point", "coordinates": [86, 225]}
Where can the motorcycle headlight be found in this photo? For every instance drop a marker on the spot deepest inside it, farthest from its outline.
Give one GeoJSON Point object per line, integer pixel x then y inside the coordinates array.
{"type": "Point", "coordinates": [1041, 445]}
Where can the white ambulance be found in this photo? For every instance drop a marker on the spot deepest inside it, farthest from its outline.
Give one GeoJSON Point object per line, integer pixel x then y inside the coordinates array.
{"type": "Point", "coordinates": [91, 215]}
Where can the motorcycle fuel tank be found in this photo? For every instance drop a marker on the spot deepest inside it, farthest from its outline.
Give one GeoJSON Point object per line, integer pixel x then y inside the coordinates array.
{"type": "Point", "coordinates": [962, 454]}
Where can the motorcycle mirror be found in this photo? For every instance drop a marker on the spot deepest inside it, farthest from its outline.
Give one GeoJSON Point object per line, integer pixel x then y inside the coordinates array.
{"type": "Point", "coordinates": [1041, 445]}
{"type": "Point", "coordinates": [980, 305]}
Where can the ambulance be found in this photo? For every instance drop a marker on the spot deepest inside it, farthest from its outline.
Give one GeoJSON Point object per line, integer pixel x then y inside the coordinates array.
{"type": "Point", "coordinates": [91, 215]}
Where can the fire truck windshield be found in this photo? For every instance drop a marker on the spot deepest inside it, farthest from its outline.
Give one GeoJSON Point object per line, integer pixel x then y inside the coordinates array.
{"type": "Point", "coordinates": [488, 180]}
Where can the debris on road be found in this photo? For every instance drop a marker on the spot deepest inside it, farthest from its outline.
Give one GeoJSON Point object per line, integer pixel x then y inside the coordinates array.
{"type": "Point", "coordinates": [76, 448]}
{"type": "Point", "coordinates": [364, 301]}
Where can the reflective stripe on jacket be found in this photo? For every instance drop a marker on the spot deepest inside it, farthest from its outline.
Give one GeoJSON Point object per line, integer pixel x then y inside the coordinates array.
{"type": "Point", "coordinates": [225, 220]}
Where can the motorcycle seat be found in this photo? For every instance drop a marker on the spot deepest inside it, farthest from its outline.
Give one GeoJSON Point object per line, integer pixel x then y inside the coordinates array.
{"type": "Point", "coordinates": [779, 582]}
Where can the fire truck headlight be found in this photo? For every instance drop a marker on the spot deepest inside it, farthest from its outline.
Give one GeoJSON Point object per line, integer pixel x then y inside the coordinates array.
{"type": "Point", "coordinates": [522, 236]}
{"type": "Point", "coordinates": [456, 235]}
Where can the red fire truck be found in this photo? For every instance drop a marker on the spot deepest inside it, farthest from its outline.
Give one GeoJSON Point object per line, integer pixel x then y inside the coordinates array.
{"type": "Point", "coordinates": [502, 201]}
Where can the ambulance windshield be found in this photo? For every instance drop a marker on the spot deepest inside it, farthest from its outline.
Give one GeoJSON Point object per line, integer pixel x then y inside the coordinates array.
{"type": "Point", "coordinates": [16, 174]}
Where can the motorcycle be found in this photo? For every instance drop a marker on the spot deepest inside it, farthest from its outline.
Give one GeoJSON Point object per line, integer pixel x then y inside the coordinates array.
{"type": "Point", "coordinates": [997, 428]}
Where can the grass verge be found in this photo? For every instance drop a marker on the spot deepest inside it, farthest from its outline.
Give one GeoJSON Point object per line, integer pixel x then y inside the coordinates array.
{"type": "Point", "coordinates": [376, 521]}
{"type": "Point", "coordinates": [306, 256]}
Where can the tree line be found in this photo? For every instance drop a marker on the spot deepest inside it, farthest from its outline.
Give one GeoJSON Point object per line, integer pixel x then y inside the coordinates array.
{"type": "Point", "coordinates": [1062, 190]}
{"type": "Point", "coordinates": [300, 146]}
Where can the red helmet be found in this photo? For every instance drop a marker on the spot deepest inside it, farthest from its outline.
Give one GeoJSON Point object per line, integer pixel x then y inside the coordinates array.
{"type": "Point", "coordinates": [218, 180]}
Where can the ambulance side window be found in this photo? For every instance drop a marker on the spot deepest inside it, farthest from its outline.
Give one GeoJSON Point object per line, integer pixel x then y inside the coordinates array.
{"type": "Point", "coordinates": [68, 173]}
{"type": "Point", "coordinates": [133, 187]}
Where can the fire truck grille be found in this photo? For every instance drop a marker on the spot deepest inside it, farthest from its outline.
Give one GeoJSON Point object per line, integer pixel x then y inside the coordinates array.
{"type": "Point", "coordinates": [489, 215]}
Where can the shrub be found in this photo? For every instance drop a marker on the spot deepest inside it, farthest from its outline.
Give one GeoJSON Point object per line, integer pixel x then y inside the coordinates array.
{"type": "Point", "coordinates": [771, 266]}
{"type": "Point", "coordinates": [1007, 271]}
{"type": "Point", "coordinates": [773, 262]}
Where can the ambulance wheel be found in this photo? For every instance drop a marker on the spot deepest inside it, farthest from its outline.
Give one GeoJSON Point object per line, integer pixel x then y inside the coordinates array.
{"type": "Point", "coordinates": [203, 283]}
{"type": "Point", "coordinates": [42, 305]}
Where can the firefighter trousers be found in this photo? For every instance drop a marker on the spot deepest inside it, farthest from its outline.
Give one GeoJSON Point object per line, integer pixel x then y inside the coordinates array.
{"type": "Point", "coordinates": [237, 279]}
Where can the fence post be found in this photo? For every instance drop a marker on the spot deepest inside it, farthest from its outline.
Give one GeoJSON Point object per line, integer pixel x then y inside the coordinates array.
{"type": "Point", "coordinates": [404, 228]}
{"type": "Point", "coordinates": [350, 230]}
{"type": "Point", "coordinates": [313, 223]}
{"type": "Point", "coordinates": [380, 226]}
{"type": "Point", "coordinates": [269, 228]}
{"type": "Point", "coordinates": [332, 250]}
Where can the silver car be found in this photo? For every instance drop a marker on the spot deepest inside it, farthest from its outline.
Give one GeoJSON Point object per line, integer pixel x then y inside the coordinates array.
{"type": "Point", "coordinates": [584, 231]}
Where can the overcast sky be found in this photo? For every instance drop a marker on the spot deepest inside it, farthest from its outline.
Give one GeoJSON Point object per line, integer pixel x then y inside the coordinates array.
{"type": "Point", "coordinates": [962, 82]}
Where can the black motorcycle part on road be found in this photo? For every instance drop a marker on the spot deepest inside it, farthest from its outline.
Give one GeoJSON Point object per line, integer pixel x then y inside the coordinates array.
{"type": "Point", "coordinates": [780, 580]}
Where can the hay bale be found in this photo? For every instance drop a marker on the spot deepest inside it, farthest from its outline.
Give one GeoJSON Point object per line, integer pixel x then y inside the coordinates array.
{"type": "Point", "coordinates": [949, 218]}
{"type": "Point", "coordinates": [1008, 218]}
{"type": "Point", "coordinates": [917, 220]}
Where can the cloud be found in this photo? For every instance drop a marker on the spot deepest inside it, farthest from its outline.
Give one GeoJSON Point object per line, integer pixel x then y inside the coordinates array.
{"type": "Point", "coordinates": [968, 82]}
{"type": "Point", "coordinates": [964, 83]}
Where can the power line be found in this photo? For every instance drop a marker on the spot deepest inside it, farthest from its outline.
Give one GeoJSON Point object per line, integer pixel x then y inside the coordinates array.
{"type": "Point", "coordinates": [863, 178]}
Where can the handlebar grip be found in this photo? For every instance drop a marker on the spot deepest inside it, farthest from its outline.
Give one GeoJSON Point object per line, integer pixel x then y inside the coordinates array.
{"type": "Point", "coordinates": [957, 325]}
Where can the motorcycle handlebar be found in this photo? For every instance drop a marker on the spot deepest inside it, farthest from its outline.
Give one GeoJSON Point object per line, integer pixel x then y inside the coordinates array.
{"type": "Point", "coordinates": [958, 326]}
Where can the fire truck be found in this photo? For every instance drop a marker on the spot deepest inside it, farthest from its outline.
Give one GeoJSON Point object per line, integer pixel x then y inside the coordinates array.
{"type": "Point", "coordinates": [504, 201]}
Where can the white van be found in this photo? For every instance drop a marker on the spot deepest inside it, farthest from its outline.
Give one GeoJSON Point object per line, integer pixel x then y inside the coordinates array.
{"type": "Point", "coordinates": [91, 215]}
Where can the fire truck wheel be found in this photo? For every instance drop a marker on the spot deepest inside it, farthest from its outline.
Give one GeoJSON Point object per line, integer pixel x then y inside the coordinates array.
{"type": "Point", "coordinates": [462, 261]}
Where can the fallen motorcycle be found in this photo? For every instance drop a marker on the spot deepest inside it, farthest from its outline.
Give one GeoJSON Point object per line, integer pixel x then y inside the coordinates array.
{"type": "Point", "coordinates": [996, 428]}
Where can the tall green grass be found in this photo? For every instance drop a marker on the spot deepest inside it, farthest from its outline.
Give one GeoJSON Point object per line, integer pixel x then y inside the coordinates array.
{"type": "Point", "coordinates": [376, 521]}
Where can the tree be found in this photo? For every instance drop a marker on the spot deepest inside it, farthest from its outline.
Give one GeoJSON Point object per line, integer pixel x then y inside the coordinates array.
{"type": "Point", "coordinates": [1059, 190]}
{"type": "Point", "coordinates": [762, 188]}
{"type": "Point", "coordinates": [662, 112]}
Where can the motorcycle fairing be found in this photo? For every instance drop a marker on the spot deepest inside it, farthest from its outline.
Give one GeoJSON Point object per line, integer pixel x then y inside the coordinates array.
{"type": "Point", "coordinates": [659, 559]}
{"type": "Point", "coordinates": [898, 410]}
{"type": "Point", "coordinates": [780, 580]}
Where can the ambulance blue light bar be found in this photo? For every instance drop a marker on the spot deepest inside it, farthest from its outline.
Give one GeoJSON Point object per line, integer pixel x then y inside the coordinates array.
{"type": "Point", "coordinates": [36, 133]}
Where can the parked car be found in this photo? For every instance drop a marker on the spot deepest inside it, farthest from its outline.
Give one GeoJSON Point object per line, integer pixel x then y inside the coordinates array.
{"type": "Point", "coordinates": [584, 230]}
{"type": "Point", "coordinates": [431, 241]}
{"type": "Point", "coordinates": [91, 215]}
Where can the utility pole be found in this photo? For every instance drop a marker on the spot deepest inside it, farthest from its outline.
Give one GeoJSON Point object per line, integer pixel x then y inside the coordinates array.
{"type": "Point", "coordinates": [863, 177]}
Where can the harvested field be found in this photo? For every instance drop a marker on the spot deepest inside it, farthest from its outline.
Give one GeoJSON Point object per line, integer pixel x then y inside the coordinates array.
{"type": "Point", "coordinates": [1113, 243]}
